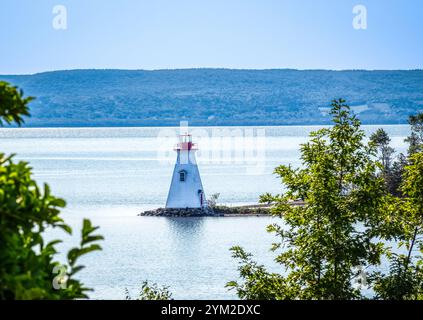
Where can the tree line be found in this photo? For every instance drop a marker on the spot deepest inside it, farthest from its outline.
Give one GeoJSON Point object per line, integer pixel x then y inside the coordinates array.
{"type": "Point", "coordinates": [358, 201]}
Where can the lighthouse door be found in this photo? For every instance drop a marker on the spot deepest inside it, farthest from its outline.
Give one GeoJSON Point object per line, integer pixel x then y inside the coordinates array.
{"type": "Point", "coordinates": [201, 195]}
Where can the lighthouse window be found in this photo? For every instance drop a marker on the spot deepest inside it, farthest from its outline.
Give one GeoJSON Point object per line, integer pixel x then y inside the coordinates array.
{"type": "Point", "coordinates": [182, 176]}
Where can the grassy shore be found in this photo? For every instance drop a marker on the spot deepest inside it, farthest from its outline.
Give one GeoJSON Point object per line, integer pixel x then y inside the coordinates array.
{"type": "Point", "coordinates": [242, 211]}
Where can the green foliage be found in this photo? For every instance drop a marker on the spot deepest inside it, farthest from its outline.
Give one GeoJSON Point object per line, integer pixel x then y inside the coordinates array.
{"type": "Point", "coordinates": [347, 218]}
{"type": "Point", "coordinates": [392, 171]}
{"type": "Point", "coordinates": [416, 138]}
{"type": "Point", "coordinates": [88, 244]}
{"type": "Point", "coordinates": [212, 201]}
{"type": "Point", "coordinates": [394, 179]}
{"type": "Point", "coordinates": [405, 278]}
{"type": "Point", "coordinates": [258, 284]}
{"type": "Point", "coordinates": [404, 281]}
{"type": "Point", "coordinates": [323, 243]}
{"type": "Point", "coordinates": [389, 170]}
{"type": "Point", "coordinates": [28, 269]}
{"type": "Point", "coordinates": [26, 261]}
{"type": "Point", "coordinates": [381, 139]}
{"type": "Point", "coordinates": [412, 186]}
{"type": "Point", "coordinates": [151, 292]}
{"type": "Point", "coordinates": [13, 106]}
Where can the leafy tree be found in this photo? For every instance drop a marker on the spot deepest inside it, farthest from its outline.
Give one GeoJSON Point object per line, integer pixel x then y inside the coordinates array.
{"type": "Point", "coordinates": [28, 269]}
{"type": "Point", "coordinates": [381, 139]}
{"type": "Point", "coordinates": [405, 278]}
{"type": "Point", "coordinates": [416, 138]}
{"type": "Point", "coordinates": [323, 244]}
{"type": "Point", "coordinates": [258, 283]}
{"type": "Point", "coordinates": [395, 177]}
{"type": "Point", "coordinates": [393, 174]}
{"type": "Point", "coordinates": [151, 292]}
{"type": "Point", "coordinates": [13, 106]}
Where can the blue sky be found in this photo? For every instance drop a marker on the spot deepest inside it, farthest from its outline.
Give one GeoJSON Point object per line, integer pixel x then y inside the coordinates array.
{"type": "Point", "coordinates": [253, 34]}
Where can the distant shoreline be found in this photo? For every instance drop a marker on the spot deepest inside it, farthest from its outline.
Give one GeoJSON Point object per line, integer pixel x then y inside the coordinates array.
{"type": "Point", "coordinates": [43, 72]}
{"type": "Point", "coordinates": [192, 126]}
{"type": "Point", "coordinates": [217, 97]}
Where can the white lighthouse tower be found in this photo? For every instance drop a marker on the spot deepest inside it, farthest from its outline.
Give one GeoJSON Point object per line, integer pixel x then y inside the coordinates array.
{"type": "Point", "coordinates": [186, 189]}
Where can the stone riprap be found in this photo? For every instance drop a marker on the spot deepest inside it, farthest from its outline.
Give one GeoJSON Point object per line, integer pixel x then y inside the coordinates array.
{"type": "Point", "coordinates": [219, 211]}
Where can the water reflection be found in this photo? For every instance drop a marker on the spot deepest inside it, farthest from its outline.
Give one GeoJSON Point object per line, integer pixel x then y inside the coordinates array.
{"type": "Point", "coordinates": [183, 227]}
{"type": "Point", "coordinates": [186, 235]}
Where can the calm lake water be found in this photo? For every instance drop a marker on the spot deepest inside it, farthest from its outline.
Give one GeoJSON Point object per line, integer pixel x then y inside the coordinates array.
{"type": "Point", "coordinates": [111, 174]}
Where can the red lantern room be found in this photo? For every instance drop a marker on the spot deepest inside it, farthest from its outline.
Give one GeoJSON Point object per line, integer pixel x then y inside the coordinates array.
{"type": "Point", "coordinates": [185, 143]}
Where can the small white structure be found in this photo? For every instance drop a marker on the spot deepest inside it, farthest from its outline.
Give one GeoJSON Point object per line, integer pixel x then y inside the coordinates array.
{"type": "Point", "coordinates": [186, 189]}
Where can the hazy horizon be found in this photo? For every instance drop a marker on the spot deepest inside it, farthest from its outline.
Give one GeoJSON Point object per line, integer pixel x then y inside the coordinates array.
{"type": "Point", "coordinates": [204, 68]}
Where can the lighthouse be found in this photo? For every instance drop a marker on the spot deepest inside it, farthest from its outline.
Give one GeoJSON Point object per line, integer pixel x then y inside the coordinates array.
{"type": "Point", "coordinates": [186, 189]}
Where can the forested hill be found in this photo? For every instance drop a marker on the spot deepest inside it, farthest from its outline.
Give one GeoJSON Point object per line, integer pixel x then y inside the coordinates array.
{"type": "Point", "coordinates": [217, 96]}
